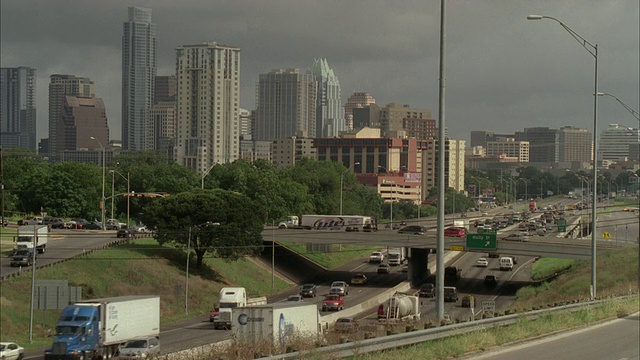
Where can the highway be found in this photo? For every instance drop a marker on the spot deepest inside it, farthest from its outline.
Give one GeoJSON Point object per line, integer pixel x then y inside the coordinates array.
{"type": "Point", "coordinates": [615, 339]}
{"type": "Point", "coordinates": [198, 331]}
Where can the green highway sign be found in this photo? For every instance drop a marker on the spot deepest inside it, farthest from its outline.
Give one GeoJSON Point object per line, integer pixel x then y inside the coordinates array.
{"type": "Point", "coordinates": [481, 241]}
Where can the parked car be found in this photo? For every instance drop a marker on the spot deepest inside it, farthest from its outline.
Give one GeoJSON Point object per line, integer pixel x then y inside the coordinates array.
{"type": "Point", "coordinates": [482, 262]}
{"type": "Point", "coordinates": [466, 301]}
{"type": "Point", "coordinates": [295, 298]}
{"type": "Point", "coordinates": [11, 351]}
{"type": "Point", "coordinates": [93, 226]}
{"type": "Point", "coordinates": [309, 290]}
{"type": "Point", "coordinates": [490, 281]}
{"type": "Point", "coordinates": [412, 229]}
{"type": "Point", "coordinates": [427, 290]}
{"type": "Point", "coordinates": [140, 348]}
{"type": "Point", "coordinates": [346, 324]}
{"type": "Point", "coordinates": [384, 269]}
{"type": "Point", "coordinates": [359, 279]}
{"type": "Point", "coordinates": [58, 224]}
{"type": "Point", "coordinates": [332, 302]}
{"type": "Point", "coordinates": [342, 286]}
{"type": "Point", "coordinates": [455, 231]}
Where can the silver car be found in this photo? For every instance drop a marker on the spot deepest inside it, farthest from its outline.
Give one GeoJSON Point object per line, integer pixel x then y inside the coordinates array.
{"type": "Point", "coordinates": [140, 348]}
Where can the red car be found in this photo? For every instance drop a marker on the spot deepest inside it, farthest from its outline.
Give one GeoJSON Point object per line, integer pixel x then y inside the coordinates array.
{"type": "Point", "coordinates": [214, 314]}
{"type": "Point", "coordinates": [455, 231]}
{"type": "Point", "coordinates": [332, 302]}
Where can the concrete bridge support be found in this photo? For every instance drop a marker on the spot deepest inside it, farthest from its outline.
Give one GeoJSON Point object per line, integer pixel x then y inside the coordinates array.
{"type": "Point", "coordinates": [418, 266]}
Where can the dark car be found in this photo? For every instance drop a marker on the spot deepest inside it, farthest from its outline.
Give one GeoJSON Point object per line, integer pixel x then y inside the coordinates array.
{"type": "Point", "coordinates": [22, 257]}
{"type": "Point", "coordinates": [122, 233]}
{"type": "Point", "coordinates": [450, 294]}
{"type": "Point", "coordinates": [466, 301]}
{"type": "Point", "coordinates": [490, 280]}
{"type": "Point", "coordinates": [309, 290]}
{"type": "Point", "coordinates": [427, 290]}
{"type": "Point", "coordinates": [412, 229]}
{"type": "Point", "coordinates": [93, 226]}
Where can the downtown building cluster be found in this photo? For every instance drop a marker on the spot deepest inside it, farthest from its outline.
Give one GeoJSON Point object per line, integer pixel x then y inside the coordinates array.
{"type": "Point", "coordinates": [193, 116]}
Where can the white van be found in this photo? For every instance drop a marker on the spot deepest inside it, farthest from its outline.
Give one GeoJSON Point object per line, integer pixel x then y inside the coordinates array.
{"type": "Point", "coordinates": [506, 263]}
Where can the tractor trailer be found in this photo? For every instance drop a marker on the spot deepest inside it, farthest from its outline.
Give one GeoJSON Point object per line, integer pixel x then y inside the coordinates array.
{"type": "Point", "coordinates": [95, 329]}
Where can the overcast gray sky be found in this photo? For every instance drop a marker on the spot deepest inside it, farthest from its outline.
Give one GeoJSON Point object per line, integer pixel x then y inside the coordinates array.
{"type": "Point", "coordinates": [503, 73]}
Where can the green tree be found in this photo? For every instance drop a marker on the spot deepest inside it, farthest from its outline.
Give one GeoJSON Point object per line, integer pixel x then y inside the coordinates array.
{"type": "Point", "coordinates": [221, 222]}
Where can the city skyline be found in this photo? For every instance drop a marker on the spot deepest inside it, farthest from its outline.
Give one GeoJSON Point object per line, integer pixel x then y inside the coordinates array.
{"type": "Point", "coordinates": [503, 72]}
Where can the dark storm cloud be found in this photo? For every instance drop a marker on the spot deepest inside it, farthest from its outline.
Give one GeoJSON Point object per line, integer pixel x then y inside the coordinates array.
{"type": "Point", "coordinates": [504, 73]}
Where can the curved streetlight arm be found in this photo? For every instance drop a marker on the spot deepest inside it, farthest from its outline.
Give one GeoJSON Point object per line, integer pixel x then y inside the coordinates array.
{"type": "Point", "coordinates": [634, 113]}
{"type": "Point", "coordinates": [591, 48]}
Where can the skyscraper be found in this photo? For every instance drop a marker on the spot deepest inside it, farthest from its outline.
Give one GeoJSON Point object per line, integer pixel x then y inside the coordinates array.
{"type": "Point", "coordinates": [356, 101]}
{"type": "Point", "coordinates": [83, 118]}
{"type": "Point", "coordinates": [208, 100]}
{"type": "Point", "coordinates": [18, 108]}
{"type": "Point", "coordinates": [61, 86]}
{"type": "Point", "coordinates": [286, 105]}
{"type": "Point", "coordinates": [138, 79]}
{"type": "Point", "coordinates": [329, 113]}
{"type": "Point", "coordinates": [616, 141]}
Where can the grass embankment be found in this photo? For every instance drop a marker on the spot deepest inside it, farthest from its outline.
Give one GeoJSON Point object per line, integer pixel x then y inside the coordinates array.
{"type": "Point", "coordinates": [140, 268]}
{"type": "Point", "coordinates": [339, 255]}
{"type": "Point", "coordinates": [458, 346]}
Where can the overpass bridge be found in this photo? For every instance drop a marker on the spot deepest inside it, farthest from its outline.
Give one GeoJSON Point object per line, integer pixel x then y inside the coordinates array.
{"type": "Point", "coordinates": [419, 247]}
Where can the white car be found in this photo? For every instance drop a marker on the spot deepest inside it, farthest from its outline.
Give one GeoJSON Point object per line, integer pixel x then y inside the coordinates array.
{"type": "Point", "coordinates": [11, 351]}
{"type": "Point", "coordinates": [520, 236]}
{"type": "Point", "coordinates": [376, 256]}
{"type": "Point", "coordinates": [482, 262]}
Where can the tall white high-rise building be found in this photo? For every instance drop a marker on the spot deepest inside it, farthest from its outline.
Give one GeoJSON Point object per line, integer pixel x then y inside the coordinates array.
{"type": "Point", "coordinates": [138, 79]}
{"type": "Point", "coordinates": [208, 105]}
{"type": "Point", "coordinates": [18, 108]}
{"type": "Point", "coordinates": [285, 105]}
{"type": "Point", "coordinates": [329, 113]}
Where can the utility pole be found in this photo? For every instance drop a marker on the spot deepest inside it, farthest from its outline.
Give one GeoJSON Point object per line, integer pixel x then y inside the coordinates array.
{"type": "Point", "coordinates": [1, 190]}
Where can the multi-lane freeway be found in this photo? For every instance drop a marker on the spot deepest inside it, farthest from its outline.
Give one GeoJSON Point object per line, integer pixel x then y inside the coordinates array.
{"type": "Point", "coordinates": [198, 331]}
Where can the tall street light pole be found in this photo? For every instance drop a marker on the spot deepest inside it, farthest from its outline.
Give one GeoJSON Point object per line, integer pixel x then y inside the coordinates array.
{"type": "Point", "coordinates": [393, 183]}
{"type": "Point", "coordinates": [204, 174]}
{"type": "Point", "coordinates": [526, 189]}
{"type": "Point", "coordinates": [113, 172]}
{"type": "Point", "coordinates": [103, 200]}
{"type": "Point", "coordinates": [186, 279]}
{"type": "Point", "coordinates": [593, 50]}
{"type": "Point", "coordinates": [113, 180]}
{"type": "Point", "coordinates": [342, 183]}
{"type": "Point", "coordinates": [634, 113]}
{"type": "Point", "coordinates": [440, 250]}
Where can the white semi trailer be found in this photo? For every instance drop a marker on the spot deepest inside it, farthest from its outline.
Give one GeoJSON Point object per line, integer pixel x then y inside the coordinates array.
{"type": "Point", "coordinates": [276, 323]}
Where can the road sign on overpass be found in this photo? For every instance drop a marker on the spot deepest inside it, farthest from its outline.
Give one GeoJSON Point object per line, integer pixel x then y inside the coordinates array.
{"type": "Point", "coordinates": [481, 241]}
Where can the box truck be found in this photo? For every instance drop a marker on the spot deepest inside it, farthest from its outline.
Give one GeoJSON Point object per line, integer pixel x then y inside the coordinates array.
{"type": "Point", "coordinates": [97, 328]}
{"type": "Point", "coordinates": [28, 235]}
{"type": "Point", "coordinates": [396, 256]}
{"type": "Point", "coordinates": [230, 298]}
{"type": "Point", "coordinates": [276, 323]}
